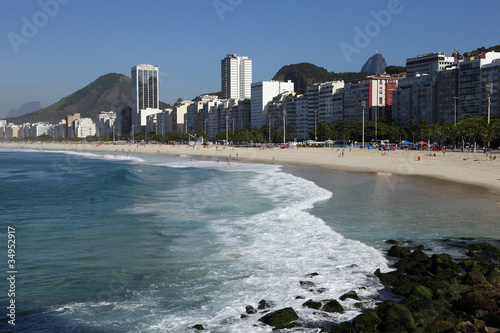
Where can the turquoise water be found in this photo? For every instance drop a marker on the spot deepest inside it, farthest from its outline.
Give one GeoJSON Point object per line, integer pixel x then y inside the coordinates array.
{"type": "Point", "coordinates": [123, 243]}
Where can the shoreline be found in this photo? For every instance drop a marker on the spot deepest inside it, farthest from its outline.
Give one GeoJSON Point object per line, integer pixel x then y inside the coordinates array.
{"type": "Point", "coordinates": [462, 167]}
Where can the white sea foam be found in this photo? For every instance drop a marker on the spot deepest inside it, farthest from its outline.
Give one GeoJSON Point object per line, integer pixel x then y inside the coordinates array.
{"type": "Point", "coordinates": [265, 256]}
{"type": "Point", "coordinates": [239, 259]}
{"type": "Point", "coordinates": [110, 157]}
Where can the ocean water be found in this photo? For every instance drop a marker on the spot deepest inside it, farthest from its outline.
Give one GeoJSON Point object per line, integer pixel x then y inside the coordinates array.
{"type": "Point", "coordinates": [147, 243]}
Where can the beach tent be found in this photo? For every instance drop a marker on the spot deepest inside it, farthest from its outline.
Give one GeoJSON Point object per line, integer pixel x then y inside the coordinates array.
{"type": "Point", "coordinates": [406, 143]}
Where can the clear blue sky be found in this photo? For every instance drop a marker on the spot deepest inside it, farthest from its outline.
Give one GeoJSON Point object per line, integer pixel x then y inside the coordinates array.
{"type": "Point", "coordinates": [80, 40]}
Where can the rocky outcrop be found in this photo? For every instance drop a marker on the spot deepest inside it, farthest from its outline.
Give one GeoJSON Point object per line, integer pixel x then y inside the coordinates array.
{"type": "Point", "coordinates": [439, 294]}
{"type": "Point", "coordinates": [283, 318]}
{"type": "Point", "coordinates": [375, 64]}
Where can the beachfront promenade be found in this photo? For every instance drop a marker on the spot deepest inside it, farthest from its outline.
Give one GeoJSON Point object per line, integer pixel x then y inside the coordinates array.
{"type": "Point", "coordinates": [465, 167]}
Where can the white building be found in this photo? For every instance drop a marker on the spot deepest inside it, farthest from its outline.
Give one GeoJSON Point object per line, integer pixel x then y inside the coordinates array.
{"type": "Point", "coordinates": [105, 123]}
{"type": "Point", "coordinates": [143, 115]}
{"type": "Point", "coordinates": [262, 93]}
{"type": "Point", "coordinates": [236, 77]}
{"type": "Point", "coordinates": [179, 117]}
{"type": "Point", "coordinates": [427, 64]}
{"type": "Point", "coordinates": [59, 130]}
{"type": "Point", "coordinates": [83, 128]}
{"type": "Point", "coordinates": [145, 92]}
{"type": "Point", "coordinates": [320, 102]}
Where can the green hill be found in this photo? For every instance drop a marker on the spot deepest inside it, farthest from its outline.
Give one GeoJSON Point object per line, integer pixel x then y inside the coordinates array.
{"type": "Point", "coordinates": [305, 75]}
{"type": "Point", "coordinates": [108, 93]}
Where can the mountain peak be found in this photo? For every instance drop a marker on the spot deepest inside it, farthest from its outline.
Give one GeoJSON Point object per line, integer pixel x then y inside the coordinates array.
{"type": "Point", "coordinates": [375, 64]}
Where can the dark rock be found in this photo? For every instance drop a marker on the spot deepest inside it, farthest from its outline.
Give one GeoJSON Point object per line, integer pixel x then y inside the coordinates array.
{"type": "Point", "coordinates": [474, 301]}
{"type": "Point", "coordinates": [312, 275]}
{"type": "Point", "coordinates": [485, 250]}
{"type": "Point", "coordinates": [362, 305]}
{"type": "Point", "coordinates": [479, 324]}
{"type": "Point", "coordinates": [465, 327]}
{"type": "Point", "coordinates": [250, 309]}
{"type": "Point", "coordinates": [312, 304]}
{"type": "Point", "coordinates": [198, 327]}
{"type": "Point", "coordinates": [351, 294]}
{"type": "Point", "coordinates": [391, 242]}
{"type": "Point", "coordinates": [344, 327]}
{"type": "Point", "coordinates": [443, 263]}
{"type": "Point", "coordinates": [395, 318]}
{"type": "Point", "coordinates": [473, 278]}
{"type": "Point", "coordinates": [332, 306]}
{"type": "Point", "coordinates": [307, 284]}
{"type": "Point", "coordinates": [399, 251]}
{"type": "Point", "coordinates": [367, 320]}
{"type": "Point", "coordinates": [283, 318]}
{"type": "Point", "coordinates": [493, 277]}
{"type": "Point", "coordinates": [263, 304]}
{"type": "Point", "coordinates": [441, 326]}
{"type": "Point", "coordinates": [421, 292]}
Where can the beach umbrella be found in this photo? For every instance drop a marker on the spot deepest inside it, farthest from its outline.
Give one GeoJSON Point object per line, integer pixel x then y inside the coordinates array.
{"type": "Point", "coordinates": [406, 143]}
{"type": "Point", "coordinates": [421, 143]}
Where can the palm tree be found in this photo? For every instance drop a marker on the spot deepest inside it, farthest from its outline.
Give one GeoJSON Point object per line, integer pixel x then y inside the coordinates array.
{"type": "Point", "coordinates": [412, 128]}
{"type": "Point", "coordinates": [490, 131]}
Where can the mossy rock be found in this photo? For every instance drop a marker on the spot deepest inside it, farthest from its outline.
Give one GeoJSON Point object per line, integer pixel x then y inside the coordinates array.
{"type": "Point", "coordinates": [438, 287]}
{"type": "Point", "coordinates": [419, 255]}
{"type": "Point", "coordinates": [395, 318]}
{"type": "Point", "coordinates": [404, 289]}
{"type": "Point", "coordinates": [444, 265]}
{"type": "Point", "coordinates": [440, 326]}
{"type": "Point", "coordinates": [399, 251]}
{"type": "Point", "coordinates": [422, 292]}
{"type": "Point", "coordinates": [493, 277]}
{"type": "Point", "coordinates": [367, 320]}
{"type": "Point", "coordinates": [198, 327]}
{"type": "Point", "coordinates": [465, 326]}
{"type": "Point", "coordinates": [283, 318]}
{"type": "Point", "coordinates": [389, 278]}
{"type": "Point", "coordinates": [485, 250]}
{"type": "Point", "coordinates": [332, 306]}
{"type": "Point", "coordinates": [474, 301]}
{"type": "Point", "coordinates": [473, 278]}
{"type": "Point", "coordinates": [455, 291]}
{"type": "Point", "coordinates": [250, 309]}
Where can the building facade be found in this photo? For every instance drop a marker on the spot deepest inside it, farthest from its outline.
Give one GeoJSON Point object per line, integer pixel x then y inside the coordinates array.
{"type": "Point", "coordinates": [472, 82]}
{"type": "Point", "coordinates": [145, 92]}
{"type": "Point", "coordinates": [262, 93]}
{"type": "Point", "coordinates": [236, 77]}
{"type": "Point", "coordinates": [428, 64]}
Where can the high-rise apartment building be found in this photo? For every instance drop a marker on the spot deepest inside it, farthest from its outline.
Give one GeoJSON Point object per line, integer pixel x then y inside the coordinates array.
{"type": "Point", "coordinates": [428, 64]}
{"type": "Point", "coordinates": [145, 91]}
{"type": "Point", "coordinates": [236, 77]}
{"type": "Point", "coordinates": [262, 93]}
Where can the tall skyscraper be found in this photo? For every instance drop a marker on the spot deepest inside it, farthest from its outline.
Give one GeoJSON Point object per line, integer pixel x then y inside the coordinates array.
{"type": "Point", "coordinates": [236, 77]}
{"type": "Point", "coordinates": [144, 91]}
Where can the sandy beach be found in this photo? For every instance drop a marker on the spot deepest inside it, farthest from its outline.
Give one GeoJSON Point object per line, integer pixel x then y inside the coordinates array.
{"type": "Point", "coordinates": [466, 167]}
